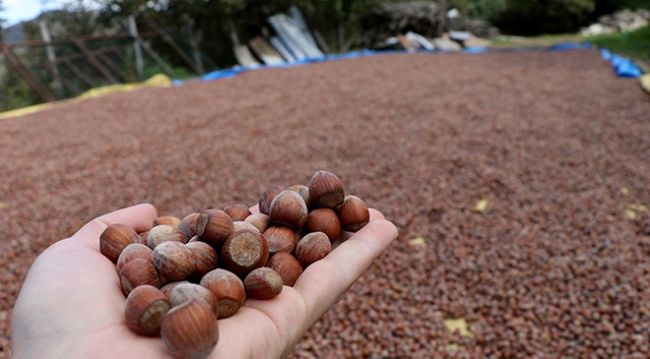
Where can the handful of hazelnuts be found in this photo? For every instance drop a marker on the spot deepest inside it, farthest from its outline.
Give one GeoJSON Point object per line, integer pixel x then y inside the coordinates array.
{"type": "Point", "coordinates": [183, 275]}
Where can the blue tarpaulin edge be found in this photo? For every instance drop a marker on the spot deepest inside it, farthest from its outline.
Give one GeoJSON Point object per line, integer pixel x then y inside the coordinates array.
{"type": "Point", "coordinates": [624, 67]}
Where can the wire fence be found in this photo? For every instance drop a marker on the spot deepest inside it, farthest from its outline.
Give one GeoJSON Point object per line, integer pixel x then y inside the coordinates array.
{"type": "Point", "coordinates": [51, 70]}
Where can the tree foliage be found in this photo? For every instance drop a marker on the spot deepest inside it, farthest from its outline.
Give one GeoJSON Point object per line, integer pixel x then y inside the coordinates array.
{"type": "Point", "coordinates": [479, 9]}
{"type": "Point", "coordinates": [545, 16]}
{"type": "Point", "coordinates": [2, 22]}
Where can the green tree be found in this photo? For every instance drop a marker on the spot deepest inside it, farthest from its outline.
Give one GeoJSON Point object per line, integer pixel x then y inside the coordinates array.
{"type": "Point", "coordinates": [535, 17]}
{"type": "Point", "coordinates": [2, 23]}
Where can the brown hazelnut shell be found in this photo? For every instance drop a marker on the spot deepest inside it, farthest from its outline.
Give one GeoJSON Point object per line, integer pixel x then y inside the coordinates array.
{"type": "Point", "coordinates": [280, 239]}
{"type": "Point", "coordinates": [353, 213]}
{"type": "Point", "coordinates": [288, 209]}
{"type": "Point", "coordinates": [190, 330]}
{"type": "Point", "coordinates": [145, 306]}
{"type": "Point", "coordinates": [238, 211]}
{"type": "Point", "coordinates": [115, 238]}
{"type": "Point", "coordinates": [263, 283]}
{"type": "Point", "coordinates": [267, 197]}
{"type": "Point", "coordinates": [287, 266]}
{"type": "Point", "coordinates": [228, 288]}
{"type": "Point", "coordinates": [174, 260]}
{"type": "Point", "coordinates": [312, 247]}
{"type": "Point", "coordinates": [244, 251]}
{"type": "Point", "coordinates": [324, 220]}
{"type": "Point", "coordinates": [326, 190]}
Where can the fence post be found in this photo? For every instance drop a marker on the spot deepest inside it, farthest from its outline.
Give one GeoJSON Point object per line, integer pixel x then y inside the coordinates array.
{"type": "Point", "coordinates": [51, 57]}
{"type": "Point", "coordinates": [189, 23]}
{"type": "Point", "coordinates": [196, 66]}
{"type": "Point", "coordinates": [133, 30]}
{"type": "Point", "coordinates": [160, 62]}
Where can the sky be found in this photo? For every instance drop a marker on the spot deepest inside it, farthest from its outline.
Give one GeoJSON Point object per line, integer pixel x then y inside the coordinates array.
{"type": "Point", "coordinates": [16, 11]}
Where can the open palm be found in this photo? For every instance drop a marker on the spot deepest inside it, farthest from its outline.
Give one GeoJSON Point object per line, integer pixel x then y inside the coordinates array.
{"type": "Point", "coordinates": [71, 304]}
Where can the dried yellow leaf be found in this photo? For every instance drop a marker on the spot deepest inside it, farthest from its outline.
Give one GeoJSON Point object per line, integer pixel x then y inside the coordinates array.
{"type": "Point", "coordinates": [460, 325]}
{"type": "Point", "coordinates": [418, 241]}
{"type": "Point", "coordinates": [481, 205]}
{"type": "Point", "coordinates": [630, 213]}
{"type": "Point", "coordinates": [638, 207]}
{"type": "Point", "coordinates": [625, 191]}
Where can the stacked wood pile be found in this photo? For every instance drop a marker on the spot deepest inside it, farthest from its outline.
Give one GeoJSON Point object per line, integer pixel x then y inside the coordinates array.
{"type": "Point", "coordinates": [429, 19]}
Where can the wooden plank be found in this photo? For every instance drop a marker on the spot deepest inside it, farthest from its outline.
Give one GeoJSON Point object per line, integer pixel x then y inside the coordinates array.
{"type": "Point", "coordinates": [244, 56]}
{"type": "Point", "coordinates": [94, 62]}
{"type": "Point", "coordinates": [29, 76]}
{"type": "Point", "coordinates": [265, 51]}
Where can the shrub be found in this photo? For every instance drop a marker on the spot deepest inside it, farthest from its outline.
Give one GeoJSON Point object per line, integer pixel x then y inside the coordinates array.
{"type": "Point", "coordinates": [536, 17]}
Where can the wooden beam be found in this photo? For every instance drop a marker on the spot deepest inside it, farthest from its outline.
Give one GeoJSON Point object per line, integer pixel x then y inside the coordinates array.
{"type": "Point", "coordinates": [27, 74]}
{"type": "Point", "coordinates": [93, 61]}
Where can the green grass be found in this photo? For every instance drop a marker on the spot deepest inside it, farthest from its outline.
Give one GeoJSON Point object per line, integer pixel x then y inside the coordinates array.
{"type": "Point", "coordinates": [635, 44]}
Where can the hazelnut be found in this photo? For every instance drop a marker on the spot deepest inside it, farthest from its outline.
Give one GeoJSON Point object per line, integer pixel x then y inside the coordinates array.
{"type": "Point", "coordinates": [190, 330]}
{"type": "Point", "coordinates": [138, 272]}
{"type": "Point", "coordinates": [326, 190]}
{"type": "Point", "coordinates": [228, 289]}
{"type": "Point", "coordinates": [164, 233]}
{"type": "Point", "coordinates": [174, 260]}
{"type": "Point", "coordinates": [353, 213]}
{"type": "Point", "coordinates": [303, 191]}
{"type": "Point", "coordinates": [241, 225]}
{"type": "Point", "coordinates": [280, 238]}
{"type": "Point", "coordinates": [244, 251]}
{"type": "Point", "coordinates": [217, 228]}
{"type": "Point", "coordinates": [142, 237]}
{"type": "Point", "coordinates": [238, 212]}
{"type": "Point", "coordinates": [185, 292]}
{"type": "Point", "coordinates": [261, 221]}
{"type": "Point", "coordinates": [267, 197]}
{"type": "Point", "coordinates": [263, 283]}
{"type": "Point", "coordinates": [195, 239]}
{"type": "Point", "coordinates": [169, 287]}
{"type": "Point", "coordinates": [324, 220]}
{"type": "Point", "coordinates": [145, 306]}
{"type": "Point", "coordinates": [287, 266]}
{"type": "Point", "coordinates": [189, 224]}
{"type": "Point", "coordinates": [133, 251]}
{"type": "Point", "coordinates": [115, 238]}
{"type": "Point", "coordinates": [288, 209]}
{"type": "Point", "coordinates": [312, 247]}
{"type": "Point", "coordinates": [205, 257]}
{"type": "Point", "coordinates": [168, 220]}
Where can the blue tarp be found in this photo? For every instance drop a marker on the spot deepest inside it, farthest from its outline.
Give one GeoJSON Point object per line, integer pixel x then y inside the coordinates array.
{"type": "Point", "coordinates": [624, 67]}
{"type": "Point", "coordinates": [570, 46]}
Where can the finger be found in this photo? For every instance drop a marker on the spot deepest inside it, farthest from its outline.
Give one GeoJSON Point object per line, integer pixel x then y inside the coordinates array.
{"type": "Point", "coordinates": [276, 325]}
{"type": "Point", "coordinates": [139, 217]}
{"type": "Point", "coordinates": [323, 282]}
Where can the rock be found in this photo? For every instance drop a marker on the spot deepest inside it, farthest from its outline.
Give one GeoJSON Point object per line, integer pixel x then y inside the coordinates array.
{"type": "Point", "coordinates": [621, 21]}
{"type": "Point", "coordinates": [597, 29]}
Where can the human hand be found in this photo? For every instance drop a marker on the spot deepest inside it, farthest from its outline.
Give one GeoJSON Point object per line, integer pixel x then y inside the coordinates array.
{"type": "Point", "coordinates": [71, 304]}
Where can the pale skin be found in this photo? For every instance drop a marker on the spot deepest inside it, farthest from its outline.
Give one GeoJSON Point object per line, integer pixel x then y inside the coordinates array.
{"type": "Point", "coordinates": [71, 305]}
